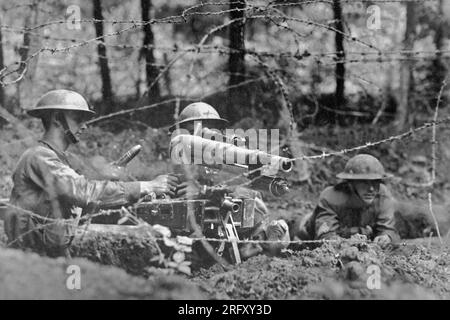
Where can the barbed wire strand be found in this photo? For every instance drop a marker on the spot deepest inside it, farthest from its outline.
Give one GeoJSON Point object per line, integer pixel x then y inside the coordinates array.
{"type": "Point", "coordinates": [85, 218]}
{"type": "Point", "coordinates": [404, 135]}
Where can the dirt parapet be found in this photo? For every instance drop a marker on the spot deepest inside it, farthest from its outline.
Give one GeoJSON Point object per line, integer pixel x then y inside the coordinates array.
{"type": "Point", "coordinates": [26, 275]}
{"type": "Point", "coordinates": [336, 271]}
{"type": "Point", "coordinates": [415, 220]}
{"type": "Point", "coordinates": [127, 247]}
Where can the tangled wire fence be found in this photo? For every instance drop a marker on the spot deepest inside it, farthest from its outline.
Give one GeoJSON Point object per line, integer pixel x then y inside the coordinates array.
{"type": "Point", "coordinates": [271, 13]}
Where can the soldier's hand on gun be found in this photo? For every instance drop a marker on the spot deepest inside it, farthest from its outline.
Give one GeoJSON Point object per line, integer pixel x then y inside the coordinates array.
{"type": "Point", "coordinates": [188, 189]}
{"type": "Point", "coordinates": [382, 240]}
{"type": "Point", "coordinates": [163, 184]}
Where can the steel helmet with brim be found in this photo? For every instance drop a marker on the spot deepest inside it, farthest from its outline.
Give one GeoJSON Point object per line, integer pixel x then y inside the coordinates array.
{"type": "Point", "coordinates": [363, 167]}
{"type": "Point", "coordinates": [200, 111]}
{"type": "Point", "coordinates": [61, 100]}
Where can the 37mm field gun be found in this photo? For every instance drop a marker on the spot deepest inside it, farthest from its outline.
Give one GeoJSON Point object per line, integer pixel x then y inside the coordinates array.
{"type": "Point", "coordinates": [225, 216]}
{"type": "Point", "coordinates": [262, 167]}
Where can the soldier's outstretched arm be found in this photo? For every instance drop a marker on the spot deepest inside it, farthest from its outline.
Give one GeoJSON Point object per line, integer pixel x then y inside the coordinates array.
{"type": "Point", "coordinates": [326, 221]}
{"type": "Point", "coordinates": [385, 222]}
{"type": "Point", "coordinates": [60, 181]}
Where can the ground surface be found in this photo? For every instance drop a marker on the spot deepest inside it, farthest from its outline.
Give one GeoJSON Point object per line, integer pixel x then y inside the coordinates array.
{"type": "Point", "coordinates": [419, 269]}
{"type": "Point", "coordinates": [29, 276]}
{"type": "Point", "coordinates": [335, 272]}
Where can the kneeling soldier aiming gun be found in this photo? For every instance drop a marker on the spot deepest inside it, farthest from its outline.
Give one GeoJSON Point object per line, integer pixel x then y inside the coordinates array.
{"type": "Point", "coordinates": [241, 212]}
{"type": "Point", "coordinates": [48, 194]}
{"type": "Point", "coordinates": [199, 208]}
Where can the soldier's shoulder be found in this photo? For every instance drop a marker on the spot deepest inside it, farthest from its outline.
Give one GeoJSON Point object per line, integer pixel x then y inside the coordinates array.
{"type": "Point", "coordinates": [37, 152]}
{"type": "Point", "coordinates": [335, 194]}
{"type": "Point", "coordinates": [40, 150]}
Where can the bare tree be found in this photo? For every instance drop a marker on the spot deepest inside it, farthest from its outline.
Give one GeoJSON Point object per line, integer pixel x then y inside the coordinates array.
{"type": "Point", "coordinates": [340, 53]}
{"type": "Point", "coordinates": [2, 65]}
{"type": "Point", "coordinates": [439, 66]}
{"type": "Point", "coordinates": [27, 68]}
{"type": "Point", "coordinates": [102, 58]}
{"type": "Point", "coordinates": [406, 70]}
{"type": "Point", "coordinates": [236, 62]}
{"type": "Point", "coordinates": [151, 71]}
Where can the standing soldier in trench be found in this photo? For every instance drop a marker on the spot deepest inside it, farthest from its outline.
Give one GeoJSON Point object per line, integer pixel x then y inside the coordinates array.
{"type": "Point", "coordinates": [360, 204]}
{"type": "Point", "coordinates": [48, 194]}
{"type": "Point", "coordinates": [199, 184]}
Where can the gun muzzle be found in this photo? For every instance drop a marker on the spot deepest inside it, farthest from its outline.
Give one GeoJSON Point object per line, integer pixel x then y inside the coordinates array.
{"type": "Point", "coordinates": [128, 156]}
{"type": "Point", "coordinates": [274, 185]}
{"type": "Point", "coordinates": [229, 205]}
{"type": "Point", "coordinates": [278, 187]}
{"type": "Point", "coordinates": [286, 165]}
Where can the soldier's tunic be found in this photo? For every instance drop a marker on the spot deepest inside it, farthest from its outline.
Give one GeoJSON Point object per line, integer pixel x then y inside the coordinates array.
{"type": "Point", "coordinates": [46, 187]}
{"type": "Point", "coordinates": [340, 212]}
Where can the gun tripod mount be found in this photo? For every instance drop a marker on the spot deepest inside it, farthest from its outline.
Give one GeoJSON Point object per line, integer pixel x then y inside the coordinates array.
{"type": "Point", "coordinates": [228, 227]}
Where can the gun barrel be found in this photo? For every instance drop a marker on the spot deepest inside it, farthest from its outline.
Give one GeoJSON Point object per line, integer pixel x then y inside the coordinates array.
{"type": "Point", "coordinates": [233, 139]}
{"type": "Point", "coordinates": [274, 185]}
{"type": "Point", "coordinates": [188, 149]}
{"type": "Point", "coordinates": [128, 156]}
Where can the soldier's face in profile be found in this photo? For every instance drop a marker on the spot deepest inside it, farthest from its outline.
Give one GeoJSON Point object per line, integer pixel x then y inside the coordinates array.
{"type": "Point", "coordinates": [76, 122]}
{"type": "Point", "coordinates": [367, 190]}
{"type": "Point", "coordinates": [189, 126]}
{"type": "Point", "coordinates": [196, 127]}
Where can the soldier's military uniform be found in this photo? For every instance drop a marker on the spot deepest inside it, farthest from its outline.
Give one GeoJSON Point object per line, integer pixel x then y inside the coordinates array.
{"type": "Point", "coordinates": [341, 212]}
{"type": "Point", "coordinates": [46, 186]}
{"type": "Point", "coordinates": [48, 194]}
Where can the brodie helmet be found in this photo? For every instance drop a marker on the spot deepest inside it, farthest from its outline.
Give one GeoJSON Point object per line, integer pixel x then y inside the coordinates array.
{"type": "Point", "coordinates": [200, 111]}
{"type": "Point", "coordinates": [60, 100]}
{"type": "Point", "coordinates": [363, 167]}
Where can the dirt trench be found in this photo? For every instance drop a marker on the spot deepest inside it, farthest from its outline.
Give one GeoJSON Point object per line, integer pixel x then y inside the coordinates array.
{"type": "Point", "coordinates": [415, 269]}
{"type": "Point", "coordinates": [25, 275]}
{"type": "Point", "coordinates": [114, 258]}
{"type": "Point", "coordinates": [338, 271]}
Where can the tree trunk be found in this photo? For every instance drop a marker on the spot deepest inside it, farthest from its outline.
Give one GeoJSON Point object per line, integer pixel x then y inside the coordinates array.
{"type": "Point", "coordinates": [103, 59]}
{"type": "Point", "coordinates": [167, 79]}
{"type": "Point", "coordinates": [151, 71]}
{"type": "Point", "coordinates": [2, 65]}
{"type": "Point", "coordinates": [31, 43]}
{"type": "Point", "coordinates": [23, 55]}
{"type": "Point", "coordinates": [25, 48]}
{"type": "Point", "coordinates": [340, 55]}
{"type": "Point", "coordinates": [236, 62]}
{"type": "Point", "coordinates": [439, 66]}
{"type": "Point", "coordinates": [406, 71]}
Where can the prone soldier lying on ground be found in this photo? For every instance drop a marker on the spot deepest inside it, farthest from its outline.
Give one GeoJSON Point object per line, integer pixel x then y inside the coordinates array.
{"type": "Point", "coordinates": [361, 204]}
{"type": "Point", "coordinates": [48, 194]}
{"type": "Point", "coordinates": [197, 183]}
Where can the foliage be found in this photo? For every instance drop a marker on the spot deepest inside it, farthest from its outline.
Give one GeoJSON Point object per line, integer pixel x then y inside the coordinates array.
{"type": "Point", "coordinates": [308, 74]}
